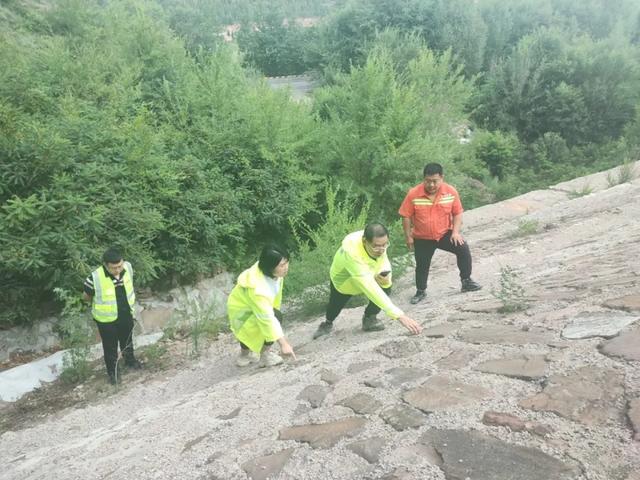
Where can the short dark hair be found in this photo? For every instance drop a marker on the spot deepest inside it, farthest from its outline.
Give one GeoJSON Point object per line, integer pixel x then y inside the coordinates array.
{"type": "Point", "coordinates": [270, 258]}
{"type": "Point", "coordinates": [112, 255]}
{"type": "Point", "coordinates": [432, 169]}
{"type": "Point", "coordinates": [375, 230]}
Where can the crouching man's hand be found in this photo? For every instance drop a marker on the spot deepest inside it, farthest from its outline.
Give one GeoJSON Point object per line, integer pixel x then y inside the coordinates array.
{"type": "Point", "coordinates": [384, 279]}
{"type": "Point", "coordinates": [410, 324]}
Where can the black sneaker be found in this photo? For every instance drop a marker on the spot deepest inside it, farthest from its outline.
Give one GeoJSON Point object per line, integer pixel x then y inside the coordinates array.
{"type": "Point", "coordinates": [418, 297]}
{"type": "Point", "coordinates": [469, 285]}
{"type": "Point", "coordinates": [323, 329]}
{"type": "Point", "coordinates": [371, 323]}
{"type": "Point", "coordinates": [133, 364]}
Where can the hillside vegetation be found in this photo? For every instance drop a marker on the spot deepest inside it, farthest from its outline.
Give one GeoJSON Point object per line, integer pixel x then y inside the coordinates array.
{"type": "Point", "coordinates": [133, 123]}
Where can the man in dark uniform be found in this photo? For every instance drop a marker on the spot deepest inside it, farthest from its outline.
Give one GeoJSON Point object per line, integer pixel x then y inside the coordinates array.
{"type": "Point", "coordinates": [109, 288]}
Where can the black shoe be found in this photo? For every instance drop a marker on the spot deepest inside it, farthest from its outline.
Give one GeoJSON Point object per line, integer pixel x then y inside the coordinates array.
{"type": "Point", "coordinates": [323, 329]}
{"type": "Point", "coordinates": [469, 285]}
{"type": "Point", "coordinates": [371, 323]}
{"type": "Point", "coordinates": [418, 297]}
{"type": "Point", "coordinates": [133, 364]}
{"type": "Point", "coordinates": [112, 379]}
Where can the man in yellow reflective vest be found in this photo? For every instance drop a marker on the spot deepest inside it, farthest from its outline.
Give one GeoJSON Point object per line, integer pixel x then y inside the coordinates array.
{"type": "Point", "coordinates": [110, 290]}
{"type": "Point", "coordinates": [361, 266]}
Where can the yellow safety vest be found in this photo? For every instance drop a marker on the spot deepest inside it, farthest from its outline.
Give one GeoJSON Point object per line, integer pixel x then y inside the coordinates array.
{"type": "Point", "coordinates": [353, 272]}
{"type": "Point", "coordinates": [105, 305]}
{"type": "Point", "coordinates": [250, 309]}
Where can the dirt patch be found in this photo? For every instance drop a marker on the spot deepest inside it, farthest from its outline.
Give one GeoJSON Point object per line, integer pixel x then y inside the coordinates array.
{"type": "Point", "coordinates": [35, 407]}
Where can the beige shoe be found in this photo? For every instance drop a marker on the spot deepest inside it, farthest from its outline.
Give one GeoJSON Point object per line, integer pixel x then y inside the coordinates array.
{"type": "Point", "coordinates": [269, 359]}
{"type": "Point", "coordinates": [246, 359]}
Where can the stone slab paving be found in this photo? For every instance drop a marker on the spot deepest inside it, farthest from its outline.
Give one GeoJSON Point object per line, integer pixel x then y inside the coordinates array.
{"type": "Point", "coordinates": [375, 382]}
{"type": "Point", "coordinates": [634, 417]}
{"type": "Point", "coordinates": [362, 366]}
{"type": "Point", "coordinates": [361, 403]}
{"type": "Point", "coordinates": [267, 466]}
{"type": "Point", "coordinates": [400, 348]}
{"type": "Point", "coordinates": [456, 360]}
{"type": "Point", "coordinates": [507, 334]}
{"type": "Point", "coordinates": [482, 306]}
{"type": "Point", "coordinates": [525, 367]}
{"type": "Point", "coordinates": [591, 395]}
{"type": "Point", "coordinates": [441, 330]}
{"type": "Point", "coordinates": [369, 448]}
{"type": "Point", "coordinates": [472, 455]}
{"type": "Point", "coordinates": [301, 409]}
{"type": "Point", "coordinates": [400, 375]}
{"type": "Point", "coordinates": [413, 454]}
{"type": "Point", "coordinates": [314, 394]}
{"type": "Point", "coordinates": [625, 345]}
{"type": "Point", "coordinates": [628, 303]}
{"type": "Point", "coordinates": [597, 324]}
{"type": "Point", "coordinates": [324, 435]}
{"type": "Point", "coordinates": [441, 393]}
{"type": "Point", "coordinates": [403, 417]}
{"type": "Point", "coordinates": [516, 424]}
{"type": "Point", "coordinates": [329, 376]}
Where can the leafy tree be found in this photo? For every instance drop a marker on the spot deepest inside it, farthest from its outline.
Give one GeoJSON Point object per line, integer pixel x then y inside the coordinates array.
{"type": "Point", "coordinates": [386, 124]}
{"type": "Point", "coordinates": [112, 134]}
{"type": "Point", "coordinates": [275, 45]}
{"type": "Point", "coordinates": [454, 25]}
{"type": "Point", "coordinates": [498, 151]}
{"type": "Point", "coordinates": [570, 86]}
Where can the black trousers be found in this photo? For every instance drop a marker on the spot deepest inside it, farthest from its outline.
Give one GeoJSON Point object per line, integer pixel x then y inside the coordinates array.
{"type": "Point", "coordinates": [424, 249]}
{"type": "Point", "coordinates": [337, 302]}
{"type": "Point", "coordinates": [120, 331]}
{"type": "Point", "coordinates": [244, 347]}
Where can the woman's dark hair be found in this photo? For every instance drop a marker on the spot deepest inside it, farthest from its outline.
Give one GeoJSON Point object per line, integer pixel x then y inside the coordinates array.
{"type": "Point", "coordinates": [270, 258]}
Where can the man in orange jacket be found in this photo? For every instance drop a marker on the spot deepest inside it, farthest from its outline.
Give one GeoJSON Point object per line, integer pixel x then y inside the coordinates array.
{"type": "Point", "coordinates": [431, 218]}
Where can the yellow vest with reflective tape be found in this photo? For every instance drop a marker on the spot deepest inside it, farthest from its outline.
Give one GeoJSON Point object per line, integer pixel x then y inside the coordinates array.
{"type": "Point", "coordinates": [105, 305]}
{"type": "Point", "coordinates": [353, 272]}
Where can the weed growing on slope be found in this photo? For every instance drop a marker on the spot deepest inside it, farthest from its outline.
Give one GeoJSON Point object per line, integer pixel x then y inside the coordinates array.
{"type": "Point", "coordinates": [510, 292]}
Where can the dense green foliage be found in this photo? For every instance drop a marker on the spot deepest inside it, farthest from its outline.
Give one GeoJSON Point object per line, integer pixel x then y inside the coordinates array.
{"type": "Point", "coordinates": [134, 123]}
{"type": "Point", "coordinates": [111, 134]}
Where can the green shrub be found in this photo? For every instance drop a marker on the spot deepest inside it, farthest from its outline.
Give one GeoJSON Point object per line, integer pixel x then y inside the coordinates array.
{"type": "Point", "coordinates": [77, 335]}
{"type": "Point", "coordinates": [308, 278]}
{"type": "Point", "coordinates": [199, 322]}
{"type": "Point", "coordinates": [155, 356]}
{"type": "Point", "coordinates": [526, 227]}
{"type": "Point", "coordinates": [510, 292]}
{"type": "Point", "coordinates": [626, 173]}
{"type": "Point", "coordinates": [586, 189]}
{"type": "Point", "coordinates": [111, 134]}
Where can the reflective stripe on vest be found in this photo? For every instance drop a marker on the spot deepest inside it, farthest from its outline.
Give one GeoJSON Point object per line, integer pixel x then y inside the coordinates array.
{"type": "Point", "coordinates": [105, 304]}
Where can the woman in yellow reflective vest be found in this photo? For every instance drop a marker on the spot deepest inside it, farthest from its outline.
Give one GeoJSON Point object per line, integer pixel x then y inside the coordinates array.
{"type": "Point", "coordinates": [253, 309]}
